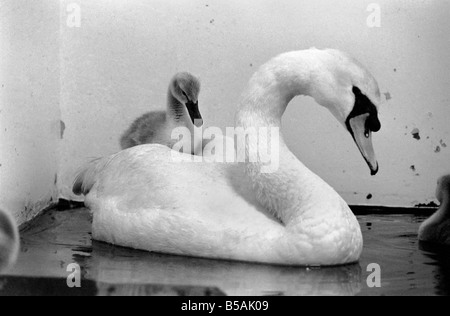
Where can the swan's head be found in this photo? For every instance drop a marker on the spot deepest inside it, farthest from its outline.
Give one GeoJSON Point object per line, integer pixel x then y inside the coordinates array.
{"type": "Point", "coordinates": [186, 89]}
{"type": "Point", "coordinates": [9, 240]}
{"type": "Point", "coordinates": [351, 93]}
{"type": "Point", "coordinates": [443, 188]}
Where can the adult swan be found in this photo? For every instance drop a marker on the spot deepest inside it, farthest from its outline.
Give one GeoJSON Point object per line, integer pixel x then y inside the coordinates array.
{"type": "Point", "coordinates": [145, 199]}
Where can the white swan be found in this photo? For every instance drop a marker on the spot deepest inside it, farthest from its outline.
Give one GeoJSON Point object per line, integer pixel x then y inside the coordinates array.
{"type": "Point", "coordinates": [9, 240]}
{"type": "Point", "coordinates": [436, 229]}
{"type": "Point", "coordinates": [182, 111]}
{"type": "Point", "coordinates": [141, 198]}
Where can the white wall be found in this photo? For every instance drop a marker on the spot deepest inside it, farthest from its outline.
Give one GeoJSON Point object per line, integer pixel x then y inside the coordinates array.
{"type": "Point", "coordinates": [116, 66]}
{"type": "Point", "coordinates": [29, 106]}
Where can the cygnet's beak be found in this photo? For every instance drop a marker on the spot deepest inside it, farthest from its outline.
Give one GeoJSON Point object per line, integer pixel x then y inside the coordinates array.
{"type": "Point", "coordinates": [194, 113]}
{"type": "Point", "coordinates": [362, 134]}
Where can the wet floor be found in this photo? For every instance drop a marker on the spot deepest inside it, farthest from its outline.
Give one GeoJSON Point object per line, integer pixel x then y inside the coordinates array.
{"type": "Point", "coordinates": [60, 238]}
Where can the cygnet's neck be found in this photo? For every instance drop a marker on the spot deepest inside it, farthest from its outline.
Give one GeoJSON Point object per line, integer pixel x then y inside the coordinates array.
{"type": "Point", "coordinates": [176, 111]}
{"type": "Point", "coordinates": [293, 190]}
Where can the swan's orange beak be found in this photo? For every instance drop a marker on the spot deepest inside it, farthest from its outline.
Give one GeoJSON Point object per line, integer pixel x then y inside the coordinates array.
{"type": "Point", "coordinates": [363, 139]}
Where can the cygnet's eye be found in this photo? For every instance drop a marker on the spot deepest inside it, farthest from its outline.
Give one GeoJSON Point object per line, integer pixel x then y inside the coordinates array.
{"type": "Point", "coordinates": [186, 96]}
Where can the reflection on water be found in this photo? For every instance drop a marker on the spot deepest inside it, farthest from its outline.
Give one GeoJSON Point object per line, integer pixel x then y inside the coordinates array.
{"type": "Point", "coordinates": [407, 267]}
{"type": "Point", "coordinates": [119, 265]}
{"type": "Point", "coordinates": [440, 259]}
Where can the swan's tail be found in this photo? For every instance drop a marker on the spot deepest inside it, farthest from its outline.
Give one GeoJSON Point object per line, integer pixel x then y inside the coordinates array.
{"type": "Point", "coordinates": [87, 177]}
{"type": "Point", "coordinates": [9, 240]}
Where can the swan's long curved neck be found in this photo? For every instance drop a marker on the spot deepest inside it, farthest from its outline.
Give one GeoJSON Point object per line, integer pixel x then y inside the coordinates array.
{"type": "Point", "coordinates": [293, 187]}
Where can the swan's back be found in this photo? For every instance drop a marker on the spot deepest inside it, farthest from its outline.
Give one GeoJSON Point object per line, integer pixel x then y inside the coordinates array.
{"type": "Point", "coordinates": [142, 198]}
{"type": "Point", "coordinates": [88, 175]}
{"type": "Point", "coordinates": [9, 240]}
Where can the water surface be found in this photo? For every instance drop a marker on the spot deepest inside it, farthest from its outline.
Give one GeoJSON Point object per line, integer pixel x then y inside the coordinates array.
{"type": "Point", "coordinates": [407, 267]}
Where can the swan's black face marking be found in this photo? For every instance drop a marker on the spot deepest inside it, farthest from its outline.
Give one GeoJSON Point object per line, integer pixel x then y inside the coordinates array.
{"type": "Point", "coordinates": [364, 106]}
{"type": "Point", "coordinates": [361, 122]}
{"type": "Point", "coordinates": [193, 111]}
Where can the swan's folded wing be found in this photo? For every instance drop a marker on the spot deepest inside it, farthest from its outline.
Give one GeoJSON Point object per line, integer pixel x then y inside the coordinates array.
{"type": "Point", "coordinates": [88, 175]}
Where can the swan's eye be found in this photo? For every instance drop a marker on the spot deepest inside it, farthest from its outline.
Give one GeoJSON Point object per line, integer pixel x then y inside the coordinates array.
{"type": "Point", "coordinates": [373, 123]}
{"type": "Point", "coordinates": [363, 105]}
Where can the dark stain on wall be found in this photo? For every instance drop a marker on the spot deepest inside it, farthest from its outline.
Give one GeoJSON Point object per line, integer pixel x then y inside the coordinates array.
{"type": "Point", "coordinates": [416, 133]}
{"type": "Point", "coordinates": [62, 128]}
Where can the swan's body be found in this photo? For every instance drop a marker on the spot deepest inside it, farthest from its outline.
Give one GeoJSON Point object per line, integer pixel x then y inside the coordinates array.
{"type": "Point", "coordinates": [142, 198]}
{"type": "Point", "coordinates": [436, 229]}
{"type": "Point", "coordinates": [182, 111]}
{"type": "Point", "coordinates": [9, 240]}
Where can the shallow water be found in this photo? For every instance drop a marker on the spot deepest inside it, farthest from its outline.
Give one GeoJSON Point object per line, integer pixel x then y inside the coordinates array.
{"type": "Point", "coordinates": [407, 267]}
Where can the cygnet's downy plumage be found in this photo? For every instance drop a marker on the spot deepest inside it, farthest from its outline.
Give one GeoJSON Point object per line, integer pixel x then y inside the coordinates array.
{"type": "Point", "coordinates": [436, 229]}
{"type": "Point", "coordinates": [182, 111]}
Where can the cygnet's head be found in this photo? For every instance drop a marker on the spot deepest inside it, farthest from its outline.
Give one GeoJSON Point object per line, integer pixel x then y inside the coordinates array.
{"type": "Point", "coordinates": [9, 240]}
{"type": "Point", "coordinates": [186, 89]}
{"type": "Point", "coordinates": [443, 188]}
